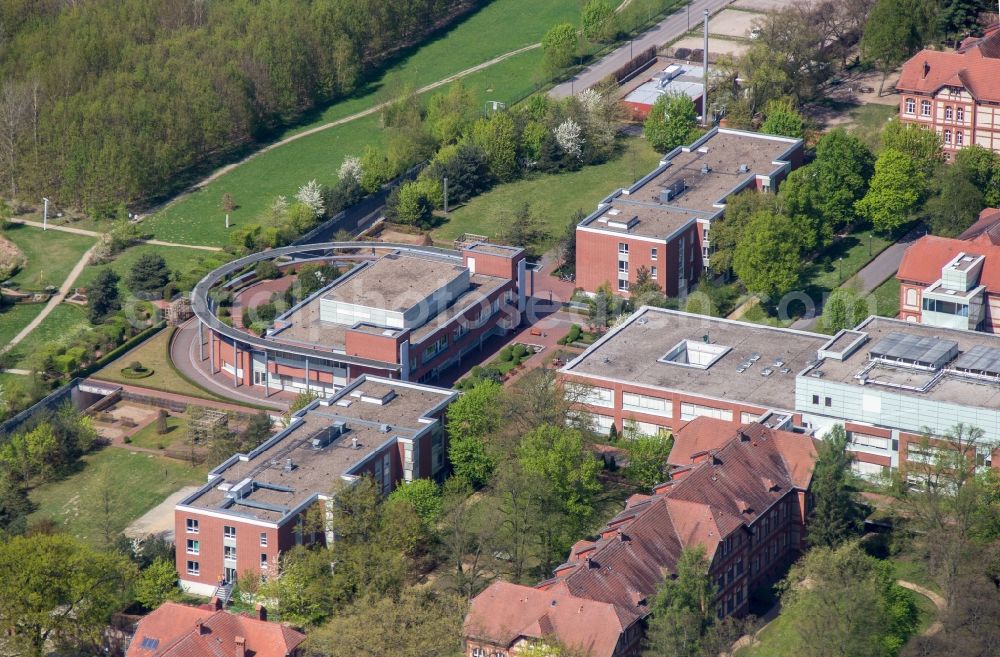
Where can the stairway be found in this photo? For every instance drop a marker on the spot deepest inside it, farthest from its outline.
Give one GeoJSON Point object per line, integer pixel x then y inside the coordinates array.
{"type": "Point", "coordinates": [224, 592]}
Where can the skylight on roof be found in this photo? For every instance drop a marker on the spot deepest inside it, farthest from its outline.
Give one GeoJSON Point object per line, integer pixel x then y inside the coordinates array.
{"type": "Point", "coordinates": [149, 643]}
{"type": "Point", "coordinates": [692, 353]}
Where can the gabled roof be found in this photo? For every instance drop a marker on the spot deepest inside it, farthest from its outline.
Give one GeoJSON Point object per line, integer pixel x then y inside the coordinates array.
{"type": "Point", "coordinates": [923, 260]}
{"type": "Point", "coordinates": [988, 224]}
{"type": "Point", "coordinates": [702, 434]}
{"type": "Point", "coordinates": [505, 613]}
{"type": "Point", "coordinates": [176, 630]}
{"type": "Point", "coordinates": [976, 67]}
{"type": "Point", "coordinates": [745, 475]}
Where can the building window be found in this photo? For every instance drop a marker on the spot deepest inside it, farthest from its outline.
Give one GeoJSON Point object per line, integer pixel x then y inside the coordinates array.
{"type": "Point", "coordinates": [623, 266]}
{"type": "Point", "coordinates": [478, 652]}
{"type": "Point", "coordinates": [193, 568]}
{"type": "Point", "coordinates": [925, 108]}
{"type": "Point", "coordinates": [652, 273]}
{"type": "Point", "coordinates": [828, 402]}
{"type": "Point", "coordinates": [949, 113]}
{"type": "Point", "coordinates": [644, 404]}
{"type": "Point", "coordinates": [691, 411]}
{"type": "Point", "coordinates": [911, 297]}
{"type": "Point", "coordinates": [263, 560]}
{"type": "Point", "coordinates": [622, 247]}
{"type": "Point", "coordinates": [229, 552]}
{"type": "Point", "coordinates": [263, 539]}
{"type": "Point", "coordinates": [192, 526]}
{"type": "Point", "coordinates": [947, 136]}
{"type": "Point", "coordinates": [193, 547]}
{"type": "Point", "coordinates": [653, 253]}
{"type": "Point", "coordinates": [228, 532]}
{"type": "Point", "coordinates": [623, 285]}
{"type": "Point", "coordinates": [960, 114]}
{"type": "Point", "coordinates": [959, 138]}
{"type": "Point", "coordinates": [865, 440]}
{"type": "Point", "coordinates": [910, 105]}
{"type": "Point", "coordinates": [590, 395]}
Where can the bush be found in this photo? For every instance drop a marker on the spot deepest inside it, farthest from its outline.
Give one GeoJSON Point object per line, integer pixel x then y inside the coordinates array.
{"type": "Point", "coordinates": [573, 335]}
{"type": "Point", "coordinates": [506, 354]}
{"type": "Point", "coordinates": [519, 352]}
{"type": "Point", "coordinates": [266, 269]}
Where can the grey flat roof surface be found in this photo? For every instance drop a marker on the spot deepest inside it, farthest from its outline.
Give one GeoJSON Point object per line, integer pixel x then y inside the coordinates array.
{"type": "Point", "coordinates": [320, 470]}
{"type": "Point", "coordinates": [480, 287]}
{"type": "Point", "coordinates": [654, 220]}
{"type": "Point", "coordinates": [951, 388]}
{"type": "Point", "coordinates": [689, 82]}
{"type": "Point", "coordinates": [494, 249]}
{"type": "Point", "coordinates": [396, 282]}
{"type": "Point", "coordinates": [630, 354]}
{"type": "Point", "coordinates": [726, 152]}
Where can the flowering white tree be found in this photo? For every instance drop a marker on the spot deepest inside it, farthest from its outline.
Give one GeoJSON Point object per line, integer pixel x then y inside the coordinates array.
{"type": "Point", "coordinates": [311, 196]}
{"type": "Point", "coordinates": [569, 136]}
{"type": "Point", "coordinates": [351, 167]}
{"type": "Point", "coordinates": [279, 207]}
{"type": "Point", "coordinates": [590, 101]}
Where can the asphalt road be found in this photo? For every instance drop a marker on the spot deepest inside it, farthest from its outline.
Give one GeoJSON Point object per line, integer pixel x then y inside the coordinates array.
{"type": "Point", "coordinates": [665, 31]}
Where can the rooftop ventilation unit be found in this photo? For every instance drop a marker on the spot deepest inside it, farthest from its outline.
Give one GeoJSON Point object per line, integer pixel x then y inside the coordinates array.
{"type": "Point", "coordinates": [672, 72]}
{"type": "Point", "coordinates": [673, 190]}
{"type": "Point", "coordinates": [744, 168]}
{"type": "Point", "coordinates": [767, 371]}
{"type": "Point", "coordinates": [705, 169]}
{"type": "Point", "coordinates": [354, 443]}
{"type": "Point", "coordinates": [289, 465]}
{"type": "Point", "coordinates": [385, 428]}
{"type": "Point", "coordinates": [817, 374]}
{"type": "Point", "coordinates": [329, 434]}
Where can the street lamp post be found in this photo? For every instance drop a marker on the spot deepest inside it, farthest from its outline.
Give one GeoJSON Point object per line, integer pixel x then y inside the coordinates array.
{"type": "Point", "coordinates": [45, 214]}
{"type": "Point", "coordinates": [869, 244]}
{"type": "Point", "coordinates": [840, 266]}
{"type": "Point", "coordinates": [689, 16]}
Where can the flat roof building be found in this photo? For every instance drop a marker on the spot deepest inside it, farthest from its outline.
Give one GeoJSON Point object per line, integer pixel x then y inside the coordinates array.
{"type": "Point", "coordinates": [252, 506]}
{"type": "Point", "coordinates": [889, 381]}
{"type": "Point", "coordinates": [404, 312]}
{"type": "Point", "coordinates": [663, 221]}
{"type": "Point", "coordinates": [669, 77]}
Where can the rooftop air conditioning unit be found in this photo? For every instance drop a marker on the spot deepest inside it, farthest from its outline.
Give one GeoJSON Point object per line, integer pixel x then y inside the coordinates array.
{"type": "Point", "coordinates": [744, 168]}
{"type": "Point", "coordinates": [705, 169]}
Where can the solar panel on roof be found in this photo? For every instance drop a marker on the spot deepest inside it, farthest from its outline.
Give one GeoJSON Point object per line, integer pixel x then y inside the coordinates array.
{"type": "Point", "coordinates": [919, 350]}
{"type": "Point", "coordinates": [980, 360]}
{"type": "Point", "coordinates": [149, 643]}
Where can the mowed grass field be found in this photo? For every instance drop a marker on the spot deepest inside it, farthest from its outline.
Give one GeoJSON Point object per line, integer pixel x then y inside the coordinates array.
{"type": "Point", "coordinates": [132, 483]}
{"type": "Point", "coordinates": [500, 27]}
{"type": "Point", "coordinates": [50, 254]}
{"type": "Point", "coordinates": [64, 321]}
{"type": "Point", "coordinates": [16, 317]}
{"type": "Point", "coordinates": [553, 198]}
{"type": "Point", "coordinates": [178, 259]}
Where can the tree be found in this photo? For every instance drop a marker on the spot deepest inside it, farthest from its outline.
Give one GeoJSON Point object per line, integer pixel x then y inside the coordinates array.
{"type": "Point", "coordinates": [559, 46]}
{"type": "Point", "coordinates": [376, 170]}
{"type": "Point", "coordinates": [923, 146]}
{"type": "Point", "coordinates": [103, 296]}
{"type": "Point", "coordinates": [670, 122]}
{"type": "Point", "coordinates": [258, 429]}
{"type": "Point", "coordinates": [497, 138]}
{"type": "Point", "coordinates": [847, 603]}
{"type": "Point", "coordinates": [598, 20]}
{"type": "Point", "coordinates": [954, 204]}
{"type": "Point", "coordinates": [981, 167]}
{"type": "Point", "coordinates": [767, 259]}
{"type": "Point", "coordinates": [14, 507]}
{"type": "Point", "coordinates": [845, 308]}
{"type": "Point", "coordinates": [55, 591]}
{"type": "Point", "coordinates": [567, 246]}
{"type": "Point", "coordinates": [683, 610]}
{"type": "Point", "coordinates": [450, 113]}
{"type": "Point", "coordinates": [781, 118]}
{"type": "Point", "coordinates": [893, 31]}
{"type": "Point", "coordinates": [266, 269]}
{"type": "Point", "coordinates": [228, 205]}
{"type": "Point", "coordinates": [408, 204]}
{"type": "Point", "coordinates": [424, 495]}
{"type": "Point", "coordinates": [148, 275]}
{"type": "Point", "coordinates": [472, 418]}
{"type": "Point", "coordinates": [647, 459]}
{"type": "Point", "coordinates": [525, 229]}
{"type": "Point", "coordinates": [894, 192]}
{"type": "Point", "coordinates": [311, 195]}
{"type": "Point", "coordinates": [156, 584]}
{"type": "Point", "coordinates": [726, 234]}
{"type": "Point", "coordinates": [558, 454]}
{"type": "Point", "coordinates": [466, 169]}
{"type": "Point", "coordinates": [304, 587]}
{"type": "Point", "coordinates": [836, 517]}
{"type": "Point", "coordinates": [956, 19]}
{"type": "Point", "coordinates": [431, 624]}
{"type": "Point", "coordinates": [799, 198]}
{"type": "Point", "coordinates": [568, 136]}
{"type": "Point", "coordinates": [843, 167]}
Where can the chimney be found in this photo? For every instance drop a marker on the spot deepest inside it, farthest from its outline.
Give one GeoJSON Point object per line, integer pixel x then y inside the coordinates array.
{"type": "Point", "coordinates": [216, 603]}
{"type": "Point", "coordinates": [200, 627]}
{"type": "Point", "coordinates": [621, 536]}
{"type": "Point", "coordinates": [926, 69]}
{"type": "Point", "coordinates": [261, 612]}
{"type": "Point", "coordinates": [241, 647]}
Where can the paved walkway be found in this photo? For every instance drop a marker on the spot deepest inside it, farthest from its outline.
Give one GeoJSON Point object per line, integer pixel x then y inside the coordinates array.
{"type": "Point", "coordinates": [872, 275]}
{"type": "Point", "coordinates": [671, 27]}
{"type": "Point", "coordinates": [14, 370]}
{"type": "Point", "coordinates": [939, 603]}
{"type": "Point", "coordinates": [53, 302]}
{"type": "Point", "coordinates": [93, 233]}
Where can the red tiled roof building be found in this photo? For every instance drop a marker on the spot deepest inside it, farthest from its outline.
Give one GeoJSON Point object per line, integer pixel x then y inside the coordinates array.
{"type": "Point", "coordinates": [956, 94]}
{"type": "Point", "coordinates": [745, 503]}
{"type": "Point", "coordinates": [176, 630]}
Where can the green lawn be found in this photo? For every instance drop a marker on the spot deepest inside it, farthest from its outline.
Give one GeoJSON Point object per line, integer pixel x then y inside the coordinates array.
{"type": "Point", "coordinates": [500, 27]}
{"type": "Point", "coordinates": [153, 354]}
{"type": "Point", "coordinates": [177, 426]}
{"type": "Point", "coordinates": [553, 197]}
{"type": "Point", "coordinates": [51, 255]}
{"type": "Point", "coordinates": [867, 122]}
{"type": "Point", "coordinates": [16, 317]}
{"type": "Point", "coordinates": [843, 259]}
{"type": "Point", "coordinates": [64, 321]}
{"type": "Point", "coordinates": [178, 259]}
{"type": "Point", "coordinates": [886, 298]}
{"type": "Point", "coordinates": [137, 483]}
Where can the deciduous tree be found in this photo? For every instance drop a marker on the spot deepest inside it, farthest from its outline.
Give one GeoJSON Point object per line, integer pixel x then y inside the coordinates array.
{"type": "Point", "coordinates": [472, 418]}
{"type": "Point", "coordinates": [836, 517]}
{"type": "Point", "coordinates": [670, 122]}
{"type": "Point", "coordinates": [767, 259]}
{"type": "Point", "coordinates": [894, 193]}
{"type": "Point", "coordinates": [559, 46]}
{"type": "Point", "coordinates": [103, 296]}
{"type": "Point", "coordinates": [781, 118]}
